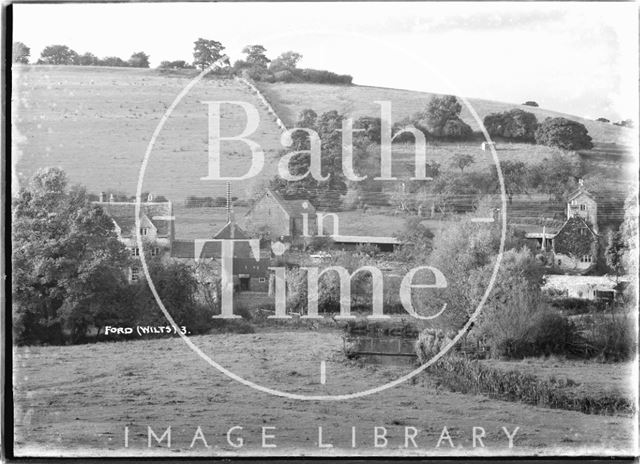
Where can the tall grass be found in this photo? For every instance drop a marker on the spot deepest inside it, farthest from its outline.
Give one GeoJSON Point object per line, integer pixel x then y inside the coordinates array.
{"type": "Point", "coordinates": [466, 376]}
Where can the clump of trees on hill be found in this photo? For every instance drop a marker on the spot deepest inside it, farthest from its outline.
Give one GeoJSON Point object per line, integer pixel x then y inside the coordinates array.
{"type": "Point", "coordinates": [63, 55]}
{"type": "Point", "coordinates": [563, 133]}
{"type": "Point", "coordinates": [515, 124]}
{"type": "Point", "coordinates": [20, 53]}
{"type": "Point", "coordinates": [439, 120]}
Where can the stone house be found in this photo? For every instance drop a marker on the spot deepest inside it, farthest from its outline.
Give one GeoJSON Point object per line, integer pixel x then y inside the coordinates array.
{"type": "Point", "coordinates": [248, 274]}
{"type": "Point", "coordinates": [156, 227]}
{"type": "Point", "coordinates": [280, 218]}
{"type": "Point", "coordinates": [573, 246]}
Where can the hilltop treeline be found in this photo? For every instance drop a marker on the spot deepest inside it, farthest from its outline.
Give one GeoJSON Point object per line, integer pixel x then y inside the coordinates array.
{"type": "Point", "coordinates": [255, 64]}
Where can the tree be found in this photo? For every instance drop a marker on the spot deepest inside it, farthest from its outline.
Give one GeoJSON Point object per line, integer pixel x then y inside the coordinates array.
{"type": "Point", "coordinates": [325, 193]}
{"type": "Point", "coordinates": [206, 52]}
{"type": "Point", "coordinates": [515, 124]}
{"type": "Point", "coordinates": [139, 60]}
{"type": "Point", "coordinates": [416, 242]}
{"type": "Point", "coordinates": [285, 62]}
{"type": "Point", "coordinates": [68, 262]}
{"type": "Point", "coordinates": [557, 175]}
{"type": "Point", "coordinates": [602, 120]}
{"type": "Point", "coordinates": [530, 103]}
{"type": "Point", "coordinates": [256, 56]}
{"type": "Point", "coordinates": [20, 53]}
{"type": "Point", "coordinates": [514, 174]}
{"type": "Point", "coordinates": [615, 251]}
{"type": "Point", "coordinates": [441, 118]}
{"type": "Point", "coordinates": [563, 133]}
{"type": "Point", "coordinates": [461, 161]}
{"type": "Point", "coordinates": [440, 110]}
{"type": "Point", "coordinates": [58, 54]}
{"type": "Point", "coordinates": [114, 61]}
{"type": "Point", "coordinates": [625, 123]}
{"type": "Point", "coordinates": [88, 59]}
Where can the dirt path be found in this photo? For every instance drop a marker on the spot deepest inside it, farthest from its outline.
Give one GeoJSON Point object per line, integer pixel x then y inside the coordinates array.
{"type": "Point", "coordinates": [79, 399]}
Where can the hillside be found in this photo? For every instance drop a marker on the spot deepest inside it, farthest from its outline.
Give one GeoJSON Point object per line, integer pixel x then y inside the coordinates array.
{"type": "Point", "coordinates": [96, 122]}
{"type": "Point", "coordinates": [356, 101]}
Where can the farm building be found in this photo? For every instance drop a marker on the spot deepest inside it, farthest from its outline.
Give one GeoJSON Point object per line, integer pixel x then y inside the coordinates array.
{"type": "Point", "coordinates": [248, 274]}
{"type": "Point", "coordinates": [573, 246]}
{"type": "Point", "coordinates": [349, 242]}
{"type": "Point", "coordinates": [156, 226]}
{"type": "Point", "coordinates": [596, 288]}
{"type": "Point", "coordinates": [281, 218]}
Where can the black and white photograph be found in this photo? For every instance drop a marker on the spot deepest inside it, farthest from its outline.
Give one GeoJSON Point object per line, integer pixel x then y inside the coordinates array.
{"type": "Point", "coordinates": [320, 229]}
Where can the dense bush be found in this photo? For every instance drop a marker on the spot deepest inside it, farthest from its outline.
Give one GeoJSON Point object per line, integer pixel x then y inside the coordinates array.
{"type": "Point", "coordinates": [563, 133]}
{"type": "Point", "coordinates": [515, 124]}
{"type": "Point", "coordinates": [466, 376]}
{"type": "Point", "coordinates": [612, 335]}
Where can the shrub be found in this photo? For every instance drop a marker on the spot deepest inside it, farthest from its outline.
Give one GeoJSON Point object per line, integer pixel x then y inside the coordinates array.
{"type": "Point", "coordinates": [514, 124]}
{"type": "Point", "coordinates": [530, 103]}
{"type": "Point", "coordinates": [602, 120]}
{"type": "Point", "coordinates": [612, 336]}
{"type": "Point", "coordinates": [563, 133]}
{"type": "Point", "coordinates": [283, 76]}
{"type": "Point", "coordinates": [466, 376]}
{"type": "Point", "coordinates": [457, 129]}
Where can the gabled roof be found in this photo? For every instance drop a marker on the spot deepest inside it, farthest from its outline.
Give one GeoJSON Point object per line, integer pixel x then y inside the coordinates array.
{"type": "Point", "coordinates": [291, 207]}
{"type": "Point", "coordinates": [580, 191]}
{"type": "Point", "coordinates": [231, 230]}
{"type": "Point", "coordinates": [578, 218]}
{"type": "Point", "coordinates": [123, 214]}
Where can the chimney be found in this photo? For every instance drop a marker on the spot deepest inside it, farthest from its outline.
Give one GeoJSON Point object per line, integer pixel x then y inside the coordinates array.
{"type": "Point", "coordinates": [149, 198]}
{"type": "Point", "coordinates": [101, 197]}
{"type": "Point", "coordinates": [111, 200]}
{"type": "Point", "coordinates": [581, 182]}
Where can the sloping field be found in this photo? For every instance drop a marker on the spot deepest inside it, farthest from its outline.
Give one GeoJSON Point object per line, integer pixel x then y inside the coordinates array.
{"type": "Point", "coordinates": [96, 123]}
{"type": "Point", "coordinates": [289, 99]}
{"type": "Point", "coordinates": [81, 398]}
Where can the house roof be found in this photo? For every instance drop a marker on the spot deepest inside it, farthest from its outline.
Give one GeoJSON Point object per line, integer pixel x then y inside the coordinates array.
{"type": "Point", "coordinates": [123, 214]}
{"type": "Point", "coordinates": [579, 218]}
{"type": "Point", "coordinates": [364, 239]}
{"type": "Point", "coordinates": [291, 207]}
{"type": "Point", "coordinates": [578, 192]}
{"type": "Point", "coordinates": [231, 230]}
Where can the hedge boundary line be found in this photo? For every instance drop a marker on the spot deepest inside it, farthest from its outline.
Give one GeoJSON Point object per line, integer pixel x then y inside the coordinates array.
{"type": "Point", "coordinates": [262, 100]}
{"type": "Point", "coordinates": [466, 376]}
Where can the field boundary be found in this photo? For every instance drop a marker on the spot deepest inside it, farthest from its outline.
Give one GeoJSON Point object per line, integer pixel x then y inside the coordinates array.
{"type": "Point", "coordinates": [462, 375]}
{"type": "Point", "coordinates": [263, 100]}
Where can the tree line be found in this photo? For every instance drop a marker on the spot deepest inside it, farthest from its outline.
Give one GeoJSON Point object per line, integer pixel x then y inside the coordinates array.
{"type": "Point", "coordinates": [64, 55]}
{"type": "Point", "coordinates": [255, 64]}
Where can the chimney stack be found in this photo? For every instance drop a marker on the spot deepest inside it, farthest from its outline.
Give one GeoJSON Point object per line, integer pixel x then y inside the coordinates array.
{"type": "Point", "coordinates": [101, 197]}
{"type": "Point", "coordinates": [149, 198]}
{"type": "Point", "coordinates": [111, 200]}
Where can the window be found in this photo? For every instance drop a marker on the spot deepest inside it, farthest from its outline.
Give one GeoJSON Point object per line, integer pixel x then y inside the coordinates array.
{"type": "Point", "coordinates": [262, 280]}
{"type": "Point", "coordinates": [144, 230]}
{"type": "Point", "coordinates": [583, 232]}
{"type": "Point", "coordinates": [583, 207]}
{"type": "Point", "coordinates": [155, 251]}
{"type": "Point", "coordinates": [586, 259]}
{"type": "Point", "coordinates": [135, 251]}
{"type": "Point", "coordinates": [134, 274]}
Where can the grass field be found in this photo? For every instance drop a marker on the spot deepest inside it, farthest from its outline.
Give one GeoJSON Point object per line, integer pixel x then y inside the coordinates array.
{"type": "Point", "coordinates": [356, 101]}
{"type": "Point", "coordinates": [96, 124]}
{"type": "Point", "coordinates": [80, 398]}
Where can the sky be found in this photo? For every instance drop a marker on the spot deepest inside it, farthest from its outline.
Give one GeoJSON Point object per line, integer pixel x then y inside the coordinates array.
{"type": "Point", "coordinates": [578, 58]}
